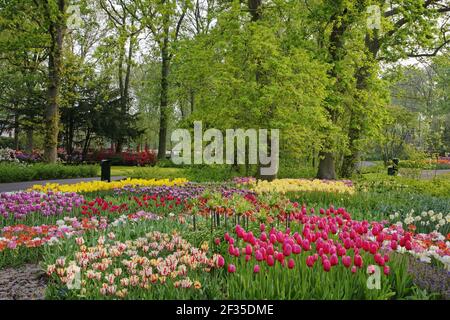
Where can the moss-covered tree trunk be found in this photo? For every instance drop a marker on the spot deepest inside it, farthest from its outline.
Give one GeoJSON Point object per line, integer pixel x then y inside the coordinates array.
{"type": "Point", "coordinates": [51, 120]}
{"type": "Point", "coordinates": [164, 98]}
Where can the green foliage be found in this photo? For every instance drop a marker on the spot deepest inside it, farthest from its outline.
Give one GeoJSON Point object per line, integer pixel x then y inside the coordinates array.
{"type": "Point", "coordinates": [17, 173]}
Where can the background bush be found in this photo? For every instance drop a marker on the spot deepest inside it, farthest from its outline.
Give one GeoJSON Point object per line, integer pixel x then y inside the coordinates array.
{"type": "Point", "coordinates": [20, 172]}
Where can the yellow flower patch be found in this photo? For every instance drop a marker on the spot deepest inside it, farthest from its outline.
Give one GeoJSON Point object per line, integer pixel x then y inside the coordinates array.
{"type": "Point", "coordinates": [94, 186]}
{"type": "Point", "coordinates": [302, 185]}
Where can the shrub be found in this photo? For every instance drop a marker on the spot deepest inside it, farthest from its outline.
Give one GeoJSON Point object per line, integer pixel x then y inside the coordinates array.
{"type": "Point", "coordinates": [20, 172]}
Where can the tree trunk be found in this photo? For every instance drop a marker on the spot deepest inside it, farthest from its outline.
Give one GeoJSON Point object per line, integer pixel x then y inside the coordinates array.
{"type": "Point", "coordinates": [165, 65]}
{"type": "Point", "coordinates": [29, 146]}
{"type": "Point", "coordinates": [355, 131]}
{"type": "Point", "coordinates": [51, 121]}
{"type": "Point", "coordinates": [16, 131]}
{"type": "Point", "coordinates": [326, 166]}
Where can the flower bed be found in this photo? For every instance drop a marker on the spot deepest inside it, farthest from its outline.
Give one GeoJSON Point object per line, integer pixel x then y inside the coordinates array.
{"type": "Point", "coordinates": [284, 186]}
{"type": "Point", "coordinates": [174, 239]}
{"type": "Point", "coordinates": [94, 186]}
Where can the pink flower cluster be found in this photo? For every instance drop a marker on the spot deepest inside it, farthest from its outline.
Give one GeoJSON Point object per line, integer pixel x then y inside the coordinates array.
{"type": "Point", "coordinates": [329, 239]}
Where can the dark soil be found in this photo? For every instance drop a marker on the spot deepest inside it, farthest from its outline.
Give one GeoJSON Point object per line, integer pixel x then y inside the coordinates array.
{"type": "Point", "coordinates": [26, 282]}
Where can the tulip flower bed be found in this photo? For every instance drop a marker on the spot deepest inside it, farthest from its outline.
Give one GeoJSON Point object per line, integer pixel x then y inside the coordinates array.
{"type": "Point", "coordinates": [171, 239]}
{"type": "Point", "coordinates": [153, 266]}
{"type": "Point", "coordinates": [95, 186]}
{"type": "Point", "coordinates": [302, 185]}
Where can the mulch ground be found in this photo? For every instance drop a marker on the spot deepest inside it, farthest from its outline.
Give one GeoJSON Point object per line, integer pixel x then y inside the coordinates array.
{"type": "Point", "coordinates": [26, 282]}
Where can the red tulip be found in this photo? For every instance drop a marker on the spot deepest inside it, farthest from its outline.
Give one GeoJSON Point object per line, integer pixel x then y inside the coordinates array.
{"type": "Point", "coordinates": [262, 227]}
{"type": "Point", "coordinates": [296, 249]}
{"type": "Point", "coordinates": [217, 241]}
{"type": "Point", "coordinates": [393, 245]}
{"type": "Point", "coordinates": [248, 250]}
{"type": "Point", "coordinates": [247, 258]}
{"type": "Point", "coordinates": [408, 245]}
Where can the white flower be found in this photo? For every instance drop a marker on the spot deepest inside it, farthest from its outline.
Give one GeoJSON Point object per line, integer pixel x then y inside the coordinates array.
{"type": "Point", "coordinates": [418, 218]}
{"type": "Point", "coordinates": [391, 217]}
{"type": "Point", "coordinates": [424, 258]}
{"type": "Point", "coordinates": [424, 214]}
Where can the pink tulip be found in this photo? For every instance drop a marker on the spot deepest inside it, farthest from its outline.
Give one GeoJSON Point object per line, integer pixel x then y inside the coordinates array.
{"type": "Point", "coordinates": [248, 250]}
{"type": "Point", "coordinates": [354, 269]}
{"type": "Point", "coordinates": [256, 269]}
{"type": "Point", "coordinates": [296, 249]}
{"type": "Point", "coordinates": [310, 261]}
{"type": "Point", "coordinates": [334, 260]}
{"type": "Point", "coordinates": [262, 227]}
{"type": "Point", "coordinates": [347, 261]}
{"type": "Point", "coordinates": [306, 245]}
{"type": "Point", "coordinates": [291, 264]}
{"type": "Point", "coordinates": [287, 250]}
{"type": "Point", "coordinates": [217, 241]}
{"type": "Point", "coordinates": [247, 258]}
{"type": "Point", "coordinates": [326, 265]}
{"type": "Point", "coordinates": [373, 248]}
{"type": "Point", "coordinates": [270, 260]}
{"type": "Point", "coordinates": [358, 261]}
{"type": "Point", "coordinates": [220, 261]}
{"type": "Point", "coordinates": [273, 238]}
{"type": "Point", "coordinates": [280, 257]}
{"type": "Point", "coordinates": [231, 268]}
{"type": "Point", "coordinates": [263, 237]}
{"type": "Point", "coordinates": [386, 270]}
{"type": "Point", "coordinates": [259, 256]}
